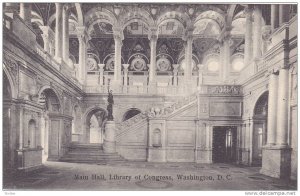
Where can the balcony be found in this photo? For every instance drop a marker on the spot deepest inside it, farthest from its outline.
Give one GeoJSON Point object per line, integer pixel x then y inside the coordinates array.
{"type": "Point", "coordinates": [140, 90]}
{"type": "Point", "coordinates": [15, 26]}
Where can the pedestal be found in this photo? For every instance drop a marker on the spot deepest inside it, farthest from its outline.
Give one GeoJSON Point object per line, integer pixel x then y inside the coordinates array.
{"type": "Point", "coordinates": [109, 144]}
{"type": "Point", "coordinates": [276, 161]}
{"type": "Point", "coordinates": [156, 154]}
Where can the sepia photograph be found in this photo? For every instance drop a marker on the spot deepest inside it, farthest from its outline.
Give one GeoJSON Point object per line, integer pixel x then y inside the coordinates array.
{"type": "Point", "coordinates": [156, 96]}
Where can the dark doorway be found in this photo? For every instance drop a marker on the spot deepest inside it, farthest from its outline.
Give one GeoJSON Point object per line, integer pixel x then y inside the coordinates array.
{"type": "Point", "coordinates": [224, 144]}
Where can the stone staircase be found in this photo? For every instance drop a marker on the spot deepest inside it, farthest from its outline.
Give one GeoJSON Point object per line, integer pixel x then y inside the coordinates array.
{"type": "Point", "coordinates": [154, 112]}
{"type": "Point", "coordinates": [89, 153]}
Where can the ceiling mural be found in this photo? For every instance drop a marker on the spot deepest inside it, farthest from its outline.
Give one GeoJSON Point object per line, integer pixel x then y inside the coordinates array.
{"type": "Point", "coordinates": [170, 22]}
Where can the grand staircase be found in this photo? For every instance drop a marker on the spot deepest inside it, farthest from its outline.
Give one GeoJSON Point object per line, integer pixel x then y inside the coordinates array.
{"type": "Point", "coordinates": [90, 153]}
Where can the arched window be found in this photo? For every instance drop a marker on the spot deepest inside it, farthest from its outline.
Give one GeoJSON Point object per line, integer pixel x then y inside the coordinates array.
{"type": "Point", "coordinates": [131, 113]}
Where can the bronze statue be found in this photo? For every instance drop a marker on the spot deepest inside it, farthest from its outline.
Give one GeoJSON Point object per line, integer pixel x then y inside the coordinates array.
{"type": "Point", "coordinates": [110, 100]}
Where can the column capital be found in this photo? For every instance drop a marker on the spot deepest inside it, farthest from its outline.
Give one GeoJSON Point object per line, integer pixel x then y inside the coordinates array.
{"type": "Point", "coordinates": [225, 35]}
{"type": "Point", "coordinates": [153, 34]}
{"type": "Point", "coordinates": [82, 34]}
{"type": "Point", "coordinates": [118, 33]}
{"type": "Point", "coordinates": [125, 66]}
{"type": "Point", "coordinates": [188, 34]}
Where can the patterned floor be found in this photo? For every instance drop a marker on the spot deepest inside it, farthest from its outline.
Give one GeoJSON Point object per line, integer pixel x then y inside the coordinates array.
{"type": "Point", "coordinates": [145, 176]}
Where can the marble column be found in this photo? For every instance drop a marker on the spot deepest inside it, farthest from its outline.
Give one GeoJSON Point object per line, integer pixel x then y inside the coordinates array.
{"type": "Point", "coordinates": [152, 69]}
{"type": "Point", "coordinates": [125, 71]}
{"type": "Point", "coordinates": [272, 108]}
{"type": "Point", "coordinates": [83, 39]}
{"type": "Point", "coordinates": [282, 110]}
{"type": "Point", "coordinates": [118, 37]}
{"type": "Point", "coordinates": [25, 12]}
{"type": "Point", "coordinates": [248, 37]}
{"type": "Point", "coordinates": [283, 13]}
{"type": "Point", "coordinates": [175, 74]}
{"type": "Point", "coordinates": [225, 56]}
{"type": "Point", "coordinates": [101, 69]}
{"type": "Point", "coordinates": [274, 16]}
{"type": "Point", "coordinates": [257, 32]}
{"type": "Point", "coordinates": [65, 43]}
{"type": "Point", "coordinates": [188, 58]}
{"type": "Point", "coordinates": [58, 32]}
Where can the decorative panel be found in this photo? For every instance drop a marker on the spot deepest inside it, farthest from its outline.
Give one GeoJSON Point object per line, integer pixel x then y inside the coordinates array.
{"type": "Point", "coordinates": [225, 109]}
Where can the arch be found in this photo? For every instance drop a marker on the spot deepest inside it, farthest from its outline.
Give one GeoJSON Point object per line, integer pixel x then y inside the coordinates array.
{"type": "Point", "coordinates": [11, 82]}
{"type": "Point", "coordinates": [79, 14]}
{"type": "Point", "coordinates": [89, 29]}
{"type": "Point", "coordinates": [99, 14]}
{"type": "Point", "coordinates": [137, 15]}
{"type": "Point", "coordinates": [230, 14]}
{"type": "Point", "coordinates": [262, 101]}
{"type": "Point", "coordinates": [131, 113]}
{"type": "Point", "coordinates": [212, 21]}
{"type": "Point", "coordinates": [96, 117]}
{"type": "Point", "coordinates": [53, 95]}
{"type": "Point", "coordinates": [182, 18]}
{"type": "Point", "coordinates": [252, 106]}
{"type": "Point", "coordinates": [213, 15]}
{"type": "Point", "coordinates": [138, 53]}
{"type": "Point", "coordinates": [259, 132]}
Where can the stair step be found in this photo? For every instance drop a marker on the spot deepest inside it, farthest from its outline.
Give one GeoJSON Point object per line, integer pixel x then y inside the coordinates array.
{"type": "Point", "coordinates": [89, 153]}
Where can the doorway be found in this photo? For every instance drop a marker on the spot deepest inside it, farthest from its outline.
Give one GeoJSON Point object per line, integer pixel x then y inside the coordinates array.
{"type": "Point", "coordinates": [224, 144]}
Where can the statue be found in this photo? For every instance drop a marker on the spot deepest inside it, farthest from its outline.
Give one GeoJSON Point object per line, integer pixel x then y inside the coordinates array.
{"type": "Point", "coordinates": [110, 100]}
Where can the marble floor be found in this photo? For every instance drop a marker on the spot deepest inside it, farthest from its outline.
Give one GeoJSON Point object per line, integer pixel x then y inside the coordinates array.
{"type": "Point", "coordinates": [145, 176]}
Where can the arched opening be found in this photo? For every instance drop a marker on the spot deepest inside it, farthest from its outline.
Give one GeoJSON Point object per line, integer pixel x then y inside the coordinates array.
{"type": "Point", "coordinates": [51, 103]}
{"type": "Point", "coordinates": [131, 113]}
{"type": "Point", "coordinates": [259, 128]}
{"type": "Point", "coordinates": [95, 122]}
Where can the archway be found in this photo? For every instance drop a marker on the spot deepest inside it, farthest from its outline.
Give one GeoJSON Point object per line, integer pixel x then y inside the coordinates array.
{"type": "Point", "coordinates": [259, 128]}
{"type": "Point", "coordinates": [95, 121]}
{"type": "Point", "coordinates": [131, 113]}
{"type": "Point", "coordinates": [51, 103]}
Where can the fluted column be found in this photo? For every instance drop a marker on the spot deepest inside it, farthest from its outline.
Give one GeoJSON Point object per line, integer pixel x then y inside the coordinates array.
{"type": "Point", "coordinates": [272, 108]}
{"type": "Point", "coordinates": [65, 43]}
{"type": "Point", "coordinates": [101, 69]}
{"type": "Point", "coordinates": [282, 110]}
{"type": "Point", "coordinates": [58, 32]}
{"type": "Point", "coordinates": [152, 69]}
{"type": "Point", "coordinates": [118, 37]}
{"type": "Point", "coordinates": [125, 71]}
{"type": "Point", "coordinates": [257, 34]}
{"type": "Point", "coordinates": [25, 12]}
{"type": "Point", "coordinates": [188, 57]}
{"type": "Point", "coordinates": [248, 37]}
{"type": "Point", "coordinates": [274, 16]}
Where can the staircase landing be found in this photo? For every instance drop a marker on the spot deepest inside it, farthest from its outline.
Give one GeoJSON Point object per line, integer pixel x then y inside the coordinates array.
{"type": "Point", "coordinates": [90, 153]}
